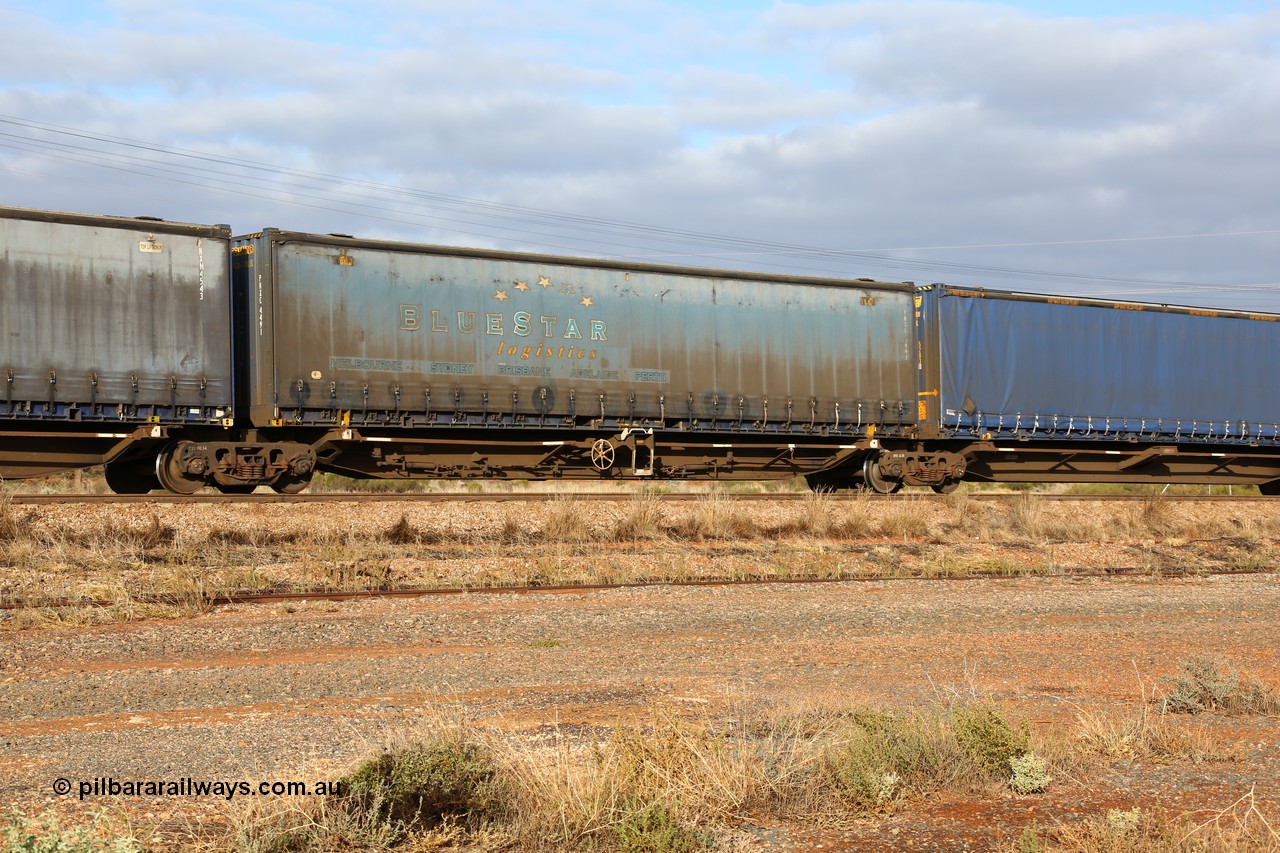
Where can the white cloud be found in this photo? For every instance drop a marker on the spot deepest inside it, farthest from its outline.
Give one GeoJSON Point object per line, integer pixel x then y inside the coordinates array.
{"type": "Point", "coordinates": [850, 126]}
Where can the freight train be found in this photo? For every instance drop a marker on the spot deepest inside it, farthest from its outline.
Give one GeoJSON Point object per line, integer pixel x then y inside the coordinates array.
{"type": "Point", "coordinates": [181, 357]}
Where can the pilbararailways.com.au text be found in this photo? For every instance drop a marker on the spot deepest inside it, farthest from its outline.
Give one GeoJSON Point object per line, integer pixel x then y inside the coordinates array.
{"type": "Point", "coordinates": [189, 787]}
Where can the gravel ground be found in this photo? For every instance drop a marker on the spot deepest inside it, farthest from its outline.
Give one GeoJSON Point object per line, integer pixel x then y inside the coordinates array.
{"type": "Point", "coordinates": [296, 692]}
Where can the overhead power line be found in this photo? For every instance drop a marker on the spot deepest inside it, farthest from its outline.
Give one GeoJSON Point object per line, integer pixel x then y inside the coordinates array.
{"type": "Point", "coordinates": [541, 227]}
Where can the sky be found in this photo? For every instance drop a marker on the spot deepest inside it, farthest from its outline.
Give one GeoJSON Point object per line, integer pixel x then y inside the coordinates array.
{"type": "Point", "coordinates": [1116, 149]}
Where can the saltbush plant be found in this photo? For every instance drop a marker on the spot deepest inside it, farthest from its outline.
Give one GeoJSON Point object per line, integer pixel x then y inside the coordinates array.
{"type": "Point", "coordinates": [1205, 684]}
{"type": "Point", "coordinates": [1030, 774]}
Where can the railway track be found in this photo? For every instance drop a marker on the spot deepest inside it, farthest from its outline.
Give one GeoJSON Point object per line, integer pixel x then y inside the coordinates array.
{"type": "Point", "coordinates": [282, 597]}
{"type": "Point", "coordinates": [535, 497]}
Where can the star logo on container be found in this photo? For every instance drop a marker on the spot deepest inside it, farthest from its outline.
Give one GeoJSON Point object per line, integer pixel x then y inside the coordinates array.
{"type": "Point", "coordinates": [544, 281]}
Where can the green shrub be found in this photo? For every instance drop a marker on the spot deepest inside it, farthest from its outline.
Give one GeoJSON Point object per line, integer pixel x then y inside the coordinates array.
{"type": "Point", "coordinates": [652, 828]}
{"type": "Point", "coordinates": [426, 783]}
{"type": "Point", "coordinates": [878, 757]}
{"type": "Point", "coordinates": [989, 739]}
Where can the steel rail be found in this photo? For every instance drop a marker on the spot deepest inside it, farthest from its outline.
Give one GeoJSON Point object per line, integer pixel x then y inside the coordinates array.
{"type": "Point", "coordinates": [280, 597]}
{"type": "Point", "coordinates": [533, 497]}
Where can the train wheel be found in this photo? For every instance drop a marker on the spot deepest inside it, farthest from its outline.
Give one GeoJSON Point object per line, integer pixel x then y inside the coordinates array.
{"type": "Point", "coordinates": [170, 473]}
{"type": "Point", "coordinates": [946, 487]}
{"type": "Point", "coordinates": [875, 481]}
{"type": "Point", "coordinates": [134, 477]}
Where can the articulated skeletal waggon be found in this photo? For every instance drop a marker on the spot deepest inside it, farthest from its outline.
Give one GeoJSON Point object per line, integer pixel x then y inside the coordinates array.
{"type": "Point", "coordinates": [181, 357]}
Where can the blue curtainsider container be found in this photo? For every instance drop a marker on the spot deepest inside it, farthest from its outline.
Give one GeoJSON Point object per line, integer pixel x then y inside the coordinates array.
{"type": "Point", "coordinates": [1031, 366]}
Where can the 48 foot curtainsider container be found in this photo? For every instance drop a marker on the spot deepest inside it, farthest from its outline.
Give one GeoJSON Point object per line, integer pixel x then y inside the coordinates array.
{"type": "Point", "coordinates": [1049, 388]}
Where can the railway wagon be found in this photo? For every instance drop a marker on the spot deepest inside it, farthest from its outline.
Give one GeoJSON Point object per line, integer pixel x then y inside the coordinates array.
{"type": "Point", "coordinates": [1023, 387]}
{"type": "Point", "coordinates": [116, 331]}
{"type": "Point", "coordinates": [183, 358]}
{"type": "Point", "coordinates": [398, 360]}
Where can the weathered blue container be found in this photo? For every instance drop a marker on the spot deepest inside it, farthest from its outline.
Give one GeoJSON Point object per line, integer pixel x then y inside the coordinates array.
{"type": "Point", "coordinates": [413, 335]}
{"type": "Point", "coordinates": [110, 319]}
{"type": "Point", "coordinates": [1058, 367]}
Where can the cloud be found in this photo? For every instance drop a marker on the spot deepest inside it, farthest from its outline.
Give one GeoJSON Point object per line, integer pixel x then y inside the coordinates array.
{"type": "Point", "coordinates": [855, 126]}
{"type": "Point", "coordinates": [1065, 72]}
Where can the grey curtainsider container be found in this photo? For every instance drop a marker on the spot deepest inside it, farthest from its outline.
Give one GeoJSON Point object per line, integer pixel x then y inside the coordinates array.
{"type": "Point", "coordinates": [403, 334]}
{"type": "Point", "coordinates": [1065, 368]}
{"type": "Point", "coordinates": [111, 319]}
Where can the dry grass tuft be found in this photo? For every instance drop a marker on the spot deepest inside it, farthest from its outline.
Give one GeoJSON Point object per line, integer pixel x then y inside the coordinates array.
{"type": "Point", "coordinates": [854, 519]}
{"type": "Point", "coordinates": [568, 521]}
{"type": "Point", "coordinates": [153, 534]}
{"type": "Point", "coordinates": [1025, 516]}
{"type": "Point", "coordinates": [643, 520]}
{"type": "Point", "coordinates": [1239, 828]}
{"type": "Point", "coordinates": [404, 532]}
{"type": "Point", "coordinates": [906, 519]}
{"type": "Point", "coordinates": [970, 518]}
{"type": "Point", "coordinates": [715, 517]}
{"type": "Point", "coordinates": [1156, 515]}
{"type": "Point", "coordinates": [11, 526]}
{"type": "Point", "coordinates": [511, 533]}
{"type": "Point", "coordinates": [816, 515]}
{"type": "Point", "coordinates": [1143, 734]}
{"type": "Point", "coordinates": [250, 536]}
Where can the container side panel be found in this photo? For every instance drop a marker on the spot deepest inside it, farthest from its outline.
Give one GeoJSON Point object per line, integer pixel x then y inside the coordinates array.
{"type": "Point", "coordinates": [1079, 366]}
{"type": "Point", "coordinates": [374, 329]}
{"type": "Point", "coordinates": [101, 317]}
